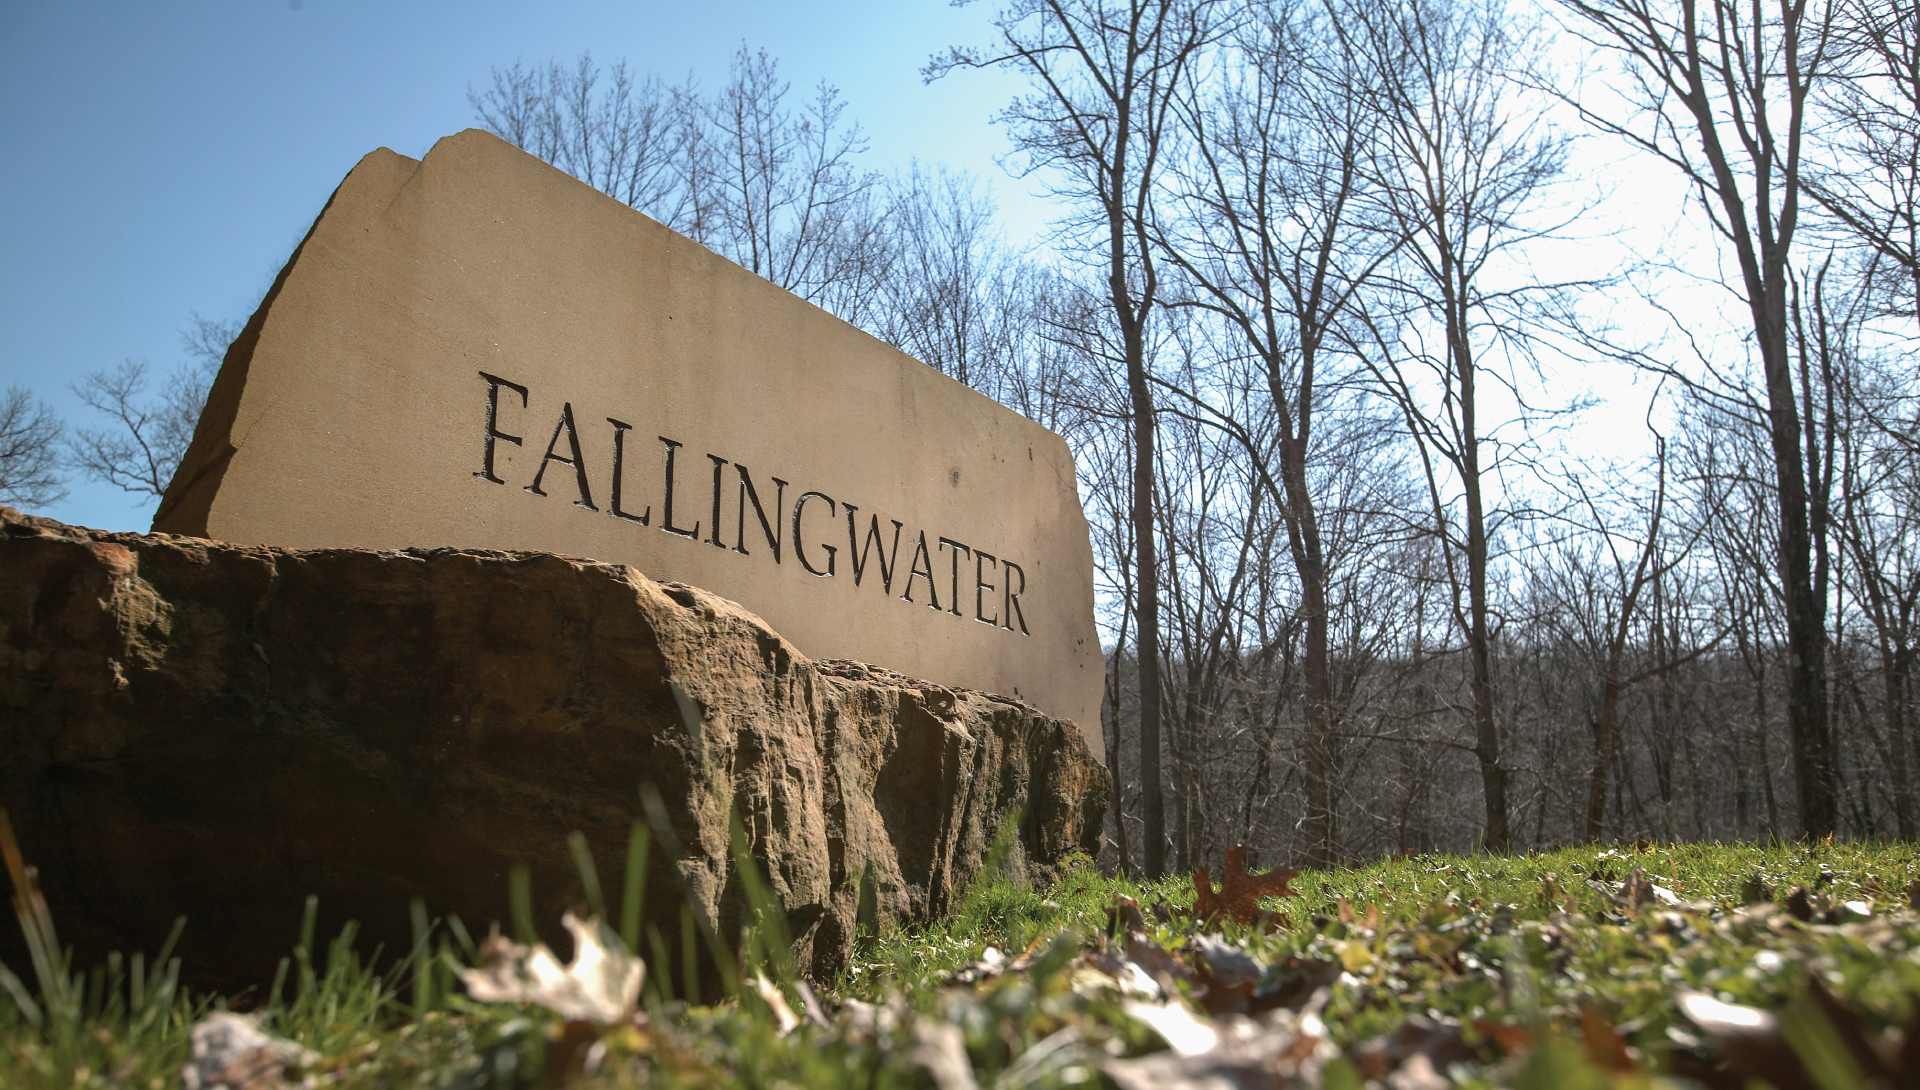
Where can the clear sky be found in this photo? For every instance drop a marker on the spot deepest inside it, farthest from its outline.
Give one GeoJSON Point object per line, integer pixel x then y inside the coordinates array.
{"type": "Point", "coordinates": [165, 158]}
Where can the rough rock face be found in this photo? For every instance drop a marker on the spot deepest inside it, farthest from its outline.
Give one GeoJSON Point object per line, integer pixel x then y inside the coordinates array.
{"type": "Point", "coordinates": [199, 728]}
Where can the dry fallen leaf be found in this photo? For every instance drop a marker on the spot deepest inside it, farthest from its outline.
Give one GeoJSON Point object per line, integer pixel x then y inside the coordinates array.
{"type": "Point", "coordinates": [1418, 1073]}
{"type": "Point", "coordinates": [941, 1048]}
{"type": "Point", "coordinates": [1412, 1055]}
{"type": "Point", "coordinates": [1283, 1049]}
{"type": "Point", "coordinates": [232, 1052]}
{"type": "Point", "coordinates": [810, 1004]}
{"type": "Point", "coordinates": [600, 985]}
{"type": "Point", "coordinates": [1800, 905]}
{"type": "Point", "coordinates": [1184, 1031]}
{"type": "Point", "coordinates": [1124, 914]}
{"type": "Point", "coordinates": [1756, 1044]}
{"type": "Point", "coordinates": [1639, 890]}
{"type": "Point", "coordinates": [1294, 983]}
{"type": "Point", "coordinates": [1159, 963]}
{"type": "Point", "coordinates": [1240, 892]}
{"type": "Point", "coordinates": [1513, 1040]}
{"type": "Point", "coordinates": [1605, 1048]}
{"type": "Point", "coordinates": [1226, 973]}
{"type": "Point", "coordinates": [1098, 971]}
{"type": "Point", "coordinates": [1748, 1038]}
{"type": "Point", "coordinates": [992, 963]}
{"type": "Point", "coordinates": [783, 1016]}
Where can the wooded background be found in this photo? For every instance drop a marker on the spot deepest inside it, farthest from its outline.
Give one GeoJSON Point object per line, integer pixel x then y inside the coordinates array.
{"type": "Point", "coordinates": [1320, 319]}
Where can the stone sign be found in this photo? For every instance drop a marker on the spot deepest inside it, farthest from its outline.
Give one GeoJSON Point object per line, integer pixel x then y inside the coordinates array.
{"type": "Point", "coordinates": [476, 350]}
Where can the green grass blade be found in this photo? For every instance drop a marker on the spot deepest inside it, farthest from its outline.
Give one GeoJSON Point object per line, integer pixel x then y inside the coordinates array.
{"type": "Point", "coordinates": [460, 935]}
{"type": "Point", "coordinates": [520, 894]}
{"type": "Point", "coordinates": [275, 1003]}
{"type": "Point", "coordinates": [422, 962]}
{"type": "Point", "coordinates": [589, 875]}
{"type": "Point", "coordinates": [633, 896]}
{"type": "Point", "coordinates": [661, 978]}
{"type": "Point", "coordinates": [173, 940]}
{"type": "Point", "coordinates": [767, 926]}
{"type": "Point", "coordinates": [22, 998]}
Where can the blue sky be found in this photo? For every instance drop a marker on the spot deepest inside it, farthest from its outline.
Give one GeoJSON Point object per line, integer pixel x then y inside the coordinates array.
{"type": "Point", "coordinates": [165, 158]}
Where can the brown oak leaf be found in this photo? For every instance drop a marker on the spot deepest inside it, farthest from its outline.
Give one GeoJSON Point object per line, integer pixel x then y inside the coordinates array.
{"type": "Point", "coordinates": [1606, 1049]}
{"type": "Point", "coordinates": [1240, 892]}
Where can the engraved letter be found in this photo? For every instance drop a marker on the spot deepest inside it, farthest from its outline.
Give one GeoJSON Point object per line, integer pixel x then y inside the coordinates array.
{"type": "Point", "coordinates": [766, 527]}
{"type": "Point", "coordinates": [493, 424]}
{"type": "Point", "coordinates": [666, 513]}
{"type": "Point", "coordinates": [619, 461]}
{"type": "Point", "coordinates": [913, 569]}
{"type": "Point", "coordinates": [1012, 604]}
{"type": "Point", "coordinates": [799, 544]}
{"type": "Point", "coordinates": [953, 589]}
{"type": "Point", "coordinates": [718, 465]}
{"type": "Point", "coordinates": [858, 551]}
{"type": "Point", "coordinates": [980, 584]}
{"type": "Point", "coordinates": [578, 463]}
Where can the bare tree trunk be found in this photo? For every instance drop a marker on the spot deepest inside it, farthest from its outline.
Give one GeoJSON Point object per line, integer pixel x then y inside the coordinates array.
{"type": "Point", "coordinates": [1146, 566]}
{"type": "Point", "coordinates": [1742, 790]}
{"type": "Point", "coordinates": [1815, 756]}
{"type": "Point", "coordinates": [1493, 776]}
{"type": "Point", "coordinates": [1114, 745]}
{"type": "Point", "coordinates": [1603, 729]}
{"type": "Point", "coordinates": [1757, 671]}
{"type": "Point", "coordinates": [1893, 674]}
{"type": "Point", "coordinates": [1105, 73]}
{"type": "Point", "coordinates": [1303, 533]}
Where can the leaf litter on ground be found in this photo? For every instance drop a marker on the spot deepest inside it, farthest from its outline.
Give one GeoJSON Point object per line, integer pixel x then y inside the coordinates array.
{"type": "Point", "coordinates": [1628, 966]}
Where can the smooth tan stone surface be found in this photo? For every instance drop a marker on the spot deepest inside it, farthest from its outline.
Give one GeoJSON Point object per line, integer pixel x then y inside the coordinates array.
{"type": "Point", "coordinates": [476, 350]}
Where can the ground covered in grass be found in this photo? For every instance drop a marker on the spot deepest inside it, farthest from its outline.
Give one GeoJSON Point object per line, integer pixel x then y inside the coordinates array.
{"type": "Point", "coordinates": [1629, 965]}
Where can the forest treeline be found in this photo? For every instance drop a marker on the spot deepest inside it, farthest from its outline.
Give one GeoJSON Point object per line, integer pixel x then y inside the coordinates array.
{"type": "Point", "coordinates": [1317, 317]}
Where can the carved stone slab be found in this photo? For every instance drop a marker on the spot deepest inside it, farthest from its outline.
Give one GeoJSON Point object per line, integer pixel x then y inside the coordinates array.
{"type": "Point", "coordinates": [474, 349]}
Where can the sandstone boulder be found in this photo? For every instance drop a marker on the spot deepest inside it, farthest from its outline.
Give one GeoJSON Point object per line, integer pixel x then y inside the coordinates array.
{"type": "Point", "coordinates": [215, 730]}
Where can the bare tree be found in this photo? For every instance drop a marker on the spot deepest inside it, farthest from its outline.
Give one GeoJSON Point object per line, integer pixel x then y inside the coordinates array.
{"type": "Point", "coordinates": [1598, 594]}
{"type": "Point", "coordinates": [1721, 91]}
{"type": "Point", "coordinates": [1268, 223]}
{"type": "Point", "coordinates": [789, 200]}
{"type": "Point", "coordinates": [742, 171]}
{"type": "Point", "coordinates": [148, 434]}
{"type": "Point", "coordinates": [1464, 163]}
{"type": "Point", "coordinates": [1878, 526]}
{"type": "Point", "coordinates": [1293, 315]}
{"type": "Point", "coordinates": [1868, 175]}
{"type": "Point", "coordinates": [1106, 73]}
{"type": "Point", "coordinates": [1217, 521]}
{"type": "Point", "coordinates": [29, 450]}
{"type": "Point", "coordinates": [956, 296]}
{"type": "Point", "coordinates": [631, 139]}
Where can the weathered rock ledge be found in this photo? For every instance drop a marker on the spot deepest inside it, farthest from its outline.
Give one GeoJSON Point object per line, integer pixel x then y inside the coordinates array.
{"type": "Point", "coordinates": [208, 729]}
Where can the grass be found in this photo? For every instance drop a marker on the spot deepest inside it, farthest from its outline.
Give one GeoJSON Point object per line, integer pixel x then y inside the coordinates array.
{"type": "Point", "coordinates": [1524, 955]}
